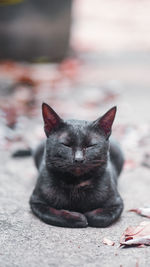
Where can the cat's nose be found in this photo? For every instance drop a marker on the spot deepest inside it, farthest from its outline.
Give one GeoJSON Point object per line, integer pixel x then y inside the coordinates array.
{"type": "Point", "coordinates": [78, 157]}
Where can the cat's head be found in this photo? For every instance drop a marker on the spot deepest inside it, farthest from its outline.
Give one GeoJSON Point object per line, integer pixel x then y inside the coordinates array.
{"type": "Point", "coordinates": [76, 146]}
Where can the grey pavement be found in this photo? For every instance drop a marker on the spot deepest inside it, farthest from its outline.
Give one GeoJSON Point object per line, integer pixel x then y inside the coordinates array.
{"type": "Point", "coordinates": [26, 241]}
{"type": "Point", "coordinates": [120, 33]}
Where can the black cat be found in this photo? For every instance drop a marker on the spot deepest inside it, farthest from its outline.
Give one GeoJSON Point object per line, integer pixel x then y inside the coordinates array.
{"type": "Point", "coordinates": [78, 171]}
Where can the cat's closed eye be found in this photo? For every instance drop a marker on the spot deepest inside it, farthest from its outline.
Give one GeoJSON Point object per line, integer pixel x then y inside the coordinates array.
{"type": "Point", "coordinates": [91, 145]}
{"type": "Point", "coordinates": [66, 144]}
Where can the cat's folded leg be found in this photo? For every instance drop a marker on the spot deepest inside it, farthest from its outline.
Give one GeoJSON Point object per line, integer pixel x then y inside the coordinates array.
{"type": "Point", "coordinates": [56, 217]}
{"type": "Point", "coordinates": [104, 217]}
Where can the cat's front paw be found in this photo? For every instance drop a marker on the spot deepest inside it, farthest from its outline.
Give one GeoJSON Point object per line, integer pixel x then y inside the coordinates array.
{"type": "Point", "coordinates": [73, 219]}
{"type": "Point", "coordinates": [99, 220]}
{"type": "Point", "coordinates": [63, 218]}
{"type": "Point", "coordinates": [103, 217]}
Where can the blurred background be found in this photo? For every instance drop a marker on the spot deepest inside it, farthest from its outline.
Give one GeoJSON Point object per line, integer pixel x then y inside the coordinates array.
{"type": "Point", "coordinates": [81, 57]}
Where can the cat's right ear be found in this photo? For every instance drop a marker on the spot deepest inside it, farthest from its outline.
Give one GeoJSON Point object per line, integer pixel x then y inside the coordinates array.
{"type": "Point", "coordinates": [51, 119]}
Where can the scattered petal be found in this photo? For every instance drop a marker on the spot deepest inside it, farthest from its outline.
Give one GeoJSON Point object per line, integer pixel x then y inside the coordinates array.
{"type": "Point", "coordinates": [136, 236]}
{"type": "Point", "coordinates": [130, 164]}
{"type": "Point", "coordinates": [142, 211]}
{"type": "Point", "coordinates": [108, 242]}
{"type": "Point", "coordinates": [26, 79]}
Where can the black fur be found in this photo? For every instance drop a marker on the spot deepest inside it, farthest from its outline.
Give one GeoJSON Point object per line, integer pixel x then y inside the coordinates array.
{"type": "Point", "coordinates": [78, 170]}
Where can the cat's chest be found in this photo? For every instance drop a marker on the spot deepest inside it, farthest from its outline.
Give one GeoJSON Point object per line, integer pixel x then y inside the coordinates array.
{"type": "Point", "coordinates": [82, 197]}
{"type": "Point", "coordinates": [77, 197]}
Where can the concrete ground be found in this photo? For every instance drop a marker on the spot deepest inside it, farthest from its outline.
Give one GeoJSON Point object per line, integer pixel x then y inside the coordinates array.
{"type": "Point", "coordinates": [24, 239]}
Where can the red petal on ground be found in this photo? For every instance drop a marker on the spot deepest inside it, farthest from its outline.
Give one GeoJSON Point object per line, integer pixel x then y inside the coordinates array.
{"type": "Point", "coordinates": [26, 79]}
{"type": "Point", "coordinates": [69, 68]}
{"type": "Point", "coordinates": [108, 242]}
{"type": "Point", "coordinates": [135, 236]}
{"type": "Point", "coordinates": [10, 115]}
{"type": "Point", "coordinates": [142, 211]}
{"type": "Point", "coordinates": [129, 164]}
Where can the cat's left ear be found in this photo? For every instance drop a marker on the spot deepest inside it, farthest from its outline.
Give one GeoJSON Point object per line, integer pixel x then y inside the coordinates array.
{"type": "Point", "coordinates": [106, 121]}
{"type": "Point", "coordinates": [51, 119]}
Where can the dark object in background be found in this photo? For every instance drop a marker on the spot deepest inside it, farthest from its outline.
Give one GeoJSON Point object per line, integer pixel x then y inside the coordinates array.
{"type": "Point", "coordinates": [34, 29]}
{"type": "Point", "coordinates": [146, 160]}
